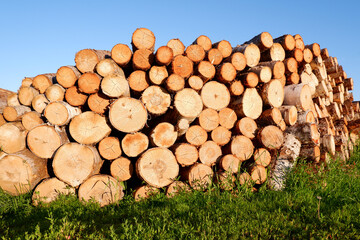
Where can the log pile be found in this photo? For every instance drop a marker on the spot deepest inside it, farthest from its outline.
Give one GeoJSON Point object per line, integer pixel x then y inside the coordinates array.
{"type": "Point", "coordinates": [175, 118]}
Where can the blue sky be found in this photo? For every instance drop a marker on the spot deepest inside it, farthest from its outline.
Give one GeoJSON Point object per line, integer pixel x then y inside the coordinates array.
{"type": "Point", "coordinates": [41, 36]}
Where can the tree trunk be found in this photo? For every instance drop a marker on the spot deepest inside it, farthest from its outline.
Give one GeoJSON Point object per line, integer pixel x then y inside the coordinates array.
{"type": "Point", "coordinates": [188, 103]}
{"type": "Point", "coordinates": [248, 79]}
{"type": "Point", "coordinates": [164, 55]}
{"type": "Point", "coordinates": [227, 117]}
{"type": "Point", "coordinates": [104, 189]}
{"type": "Point", "coordinates": [203, 41]}
{"type": "Point", "coordinates": [158, 74]}
{"type": "Point", "coordinates": [287, 42]}
{"type": "Point", "coordinates": [214, 56]}
{"type": "Point", "coordinates": [236, 88]}
{"type": "Point", "coordinates": [307, 133]}
{"type": "Point", "coordinates": [298, 95]}
{"type": "Point", "coordinates": [226, 72]}
{"type": "Point", "coordinates": [262, 157]}
{"type": "Point", "coordinates": [275, 53]}
{"type": "Point", "coordinates": [21, 172]}
{"type": "Point", "coordinates": [258, 174]}
{"type": "Point", "coordinates": [289, 114]}
{"type": "Point", "coordinates": [89, 128]}
{"type": "Point", "coordinates": [195, 82]}
{"type": "Point", "coordinates": [199, 176]}
{"type": "Point", "coordinates": [230, 163]}
{"type": "Point", "coordinates": [241, 146]}
{"type": "Point", "coordinates": [224, 47]}
{"type": "Point", "coordinates": [264, 73]}
{"type": "Point", "coordinates": [175, 83]}
{"type": "Point", "coordinates": [133, 144]}
{"type": "Point", "coordinates": [238, 60]}
{"type": "Point", "coordinates": [205, 70]}
{"type": "Point", "coordinates": [73, 163]}
{"type": "Point", "coordinates": [272, 93]}
{"type": "Point", "coordinates": [157, 167]}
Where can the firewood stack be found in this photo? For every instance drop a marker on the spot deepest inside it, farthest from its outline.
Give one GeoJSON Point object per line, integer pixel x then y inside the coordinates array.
{"type": "Point", "coordinates": [176, 118]}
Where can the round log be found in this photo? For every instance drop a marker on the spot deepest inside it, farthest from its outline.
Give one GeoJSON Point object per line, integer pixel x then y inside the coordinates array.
{"type": "Point", "coordinates": [247, 127]}
{"type": "Point", "coordinates": [177, 46]}
{"type": "Point", "coordinates": [163, 135]}
{"type": "Point", "coordinates": [182, 66]}
{"type": "Point", "coordinates": [67, 76]}
{"type": "Point", "coordinates": [156, 100]}
{"type": "Point", "coordinates": [214, 56]}
{"type": "Point", "coordinates": [43, 81]}
{"type": "Point", "coordinates": [188, 103]}
{"type": "Point", "coordinates": [249, 104]}
{"type": "Point", "coordinates": [209, 153]}
{"type": "Point", "coordinates": [102, 189]}
{"type": "Point", "coordinates": [251, 53]}
{"type": "Point", "coordinates": [226, 72]}
{"type": "Point", "coordinates": [138, 81]}
{"type": "Point", "coordinates": [74, 97]}
{"type": "Point", "coordinates": [12, 137]}
{"type": "Point", "coordinates": [89, 83]}
{"type": "Point", "coordinates": [87, 59]}
{"type": "Point", "coordinates": [196, 135]}
{"type": "Point", "coordinates": [158, 74]}
{"type": "Point", "coordinates": [109, 148]}
{"type": "Point", "coordinates": [60, 113]}
{"type": "Point", "coordinates": [248, 79]}
{"type": "Point", "coordinates": [143, 38]}
{"type": "Point", "coordinates": [271, 137]}
{"type": "Point", "coordinates": [230, 163]}
{"type": "Point", "coordinates": [89, 128]}
{"type": "Point", "coordinates": [298, 95]}
{"type": "Point", "coordinates": [258, 174]}
{"type": "Point", "coordinates": [26, 95]}
{"type": "Point", "coordinates": [195, 82]}
{"type": "Point", "coordinates": [73, 163]}
{"type": "Point", "coordinates": [127, 115]}
{"type": "Point", "coordinates": [204, 42]}
{"type": "Point", "coordinates": [144, 192]}
{"type": "Point", "coordinates": [241, 147]}
{"type": "Point", "coordinates": [289, 114]}
{"type": "Point", "coordinates": [133, 144]}
{"type": "Point", "coordinates": [49, 190]}
{"type": "Point", "coordinates": [55, 93]}
{"type": "Point", "coordinates": [175, 83]}
{"type": "Point", "coordinates": [108, 67]}
{"type": "Point", "coordinates": [195, 53]}
{"type": "Point", "coordinates": [21, 172]}
{"type": "Point", "coordinates": [121, 54]}
{"type": "Point", "coordinates": [262, 157]}
{"type": "Point", "coordinates": [275, 53]}
{"type": "Point", "coordinates": [44, 140]}
{"type": "Point", "coordinates": [287, 42]}
{"type": "Point", "coordinates": [264, 73]}
{"type": "Point", "coordinates": [221, 135]}
{"type": "Point", "coordinates": [227, 118]}
{"type": "Point", "coordinates": [206, 70]}
{"type": "Point", "coordinates": [98, 102]}
{"type": "Point", "coordinates": [238, 60]}
{"type": "Point", "coordinates": [263, 40]}
{"type": "Point", "coordinates": [224, 47]}
{"type": "Point", "coordinates": [215, 95]}
{"type": "Point", "coordinates": [115, 86]}
{"type": "Point", "coordinates": [39, 103]}
{"type": "Point", "coordinates": [209, 119]}
{"type": "Point", "coordinates": [199, 176]}
{"type": "Point", "coordinates": [186, 154]}
{"type": "Point", "coordinates": [121, 169]}
{"type": "Point", "coordinates": [142, 59]}
{"type": "Point", "coordinates": [164, 55]}
{"type": "Point", "coordinates": [177, 187]}
{"type": "Point", "coordinates": [157, 167]}
{"type": "Point", "coordinates": [31, 120]}
{"type": "Point", "coordinates": [12, 114]}
{"type": "Point", "coordinates": [236, 88]}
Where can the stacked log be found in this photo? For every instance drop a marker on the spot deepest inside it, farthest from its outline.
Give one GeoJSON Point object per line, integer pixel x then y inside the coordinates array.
{"type": "Point", "coordinates": [176, 118]}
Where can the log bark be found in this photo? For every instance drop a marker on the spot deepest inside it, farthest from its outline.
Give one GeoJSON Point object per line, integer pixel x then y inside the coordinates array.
{"type": "Point", "coordinates": [12, 137]}
{"type": "Point", "coordinates": [73, 163]}
{"type": "Point", "coordinates": [60, 113]}
{"type": "Point", "coordinates": [87, 59]}
{"type": "Point", "coordinates": [109, 148]}
{"type": "Point", "coordinates": [157, 167]}
{"type": "Point", "coordinates": [127, 115]}
{"type": "Point", "coordinates": [307, 133]}
{"type": "Point", "coordinates": [49, 190]}
{"type": "Point", "coordinates": [134, 144]}
{"type": "Point", "coordinates": [185, 154]}
{"type": "Point", "coordinates": [20, 172]}
{"type": "Point", "coordinates": [122, 169]}
{"type": "Point", "coordinates": [121, 54]}
{"type": "Point", "coordinates": [67, 76]}
{"type": "Point", "coordinates": [102, 189]}
{"type": "Point", "coordinates": [143, 38]}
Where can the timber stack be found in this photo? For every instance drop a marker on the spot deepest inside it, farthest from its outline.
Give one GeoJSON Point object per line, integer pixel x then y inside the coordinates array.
{"type": "Point", "coordinates": [176, 118]}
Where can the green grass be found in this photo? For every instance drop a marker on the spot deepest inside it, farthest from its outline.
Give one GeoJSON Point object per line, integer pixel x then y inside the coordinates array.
{"type": "Point", "coordinates": [322, 203]}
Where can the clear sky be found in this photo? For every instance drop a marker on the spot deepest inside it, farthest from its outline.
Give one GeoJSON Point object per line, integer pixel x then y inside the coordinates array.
{"type": "Point", "coordinates": [40, 36]}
